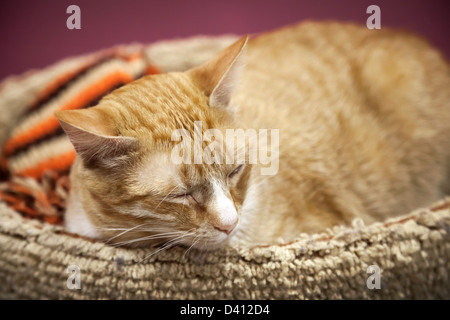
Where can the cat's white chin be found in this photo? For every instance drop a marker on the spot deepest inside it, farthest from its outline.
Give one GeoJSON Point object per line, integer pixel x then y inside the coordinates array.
{"type": "Point", "coordinates": [221, 241]}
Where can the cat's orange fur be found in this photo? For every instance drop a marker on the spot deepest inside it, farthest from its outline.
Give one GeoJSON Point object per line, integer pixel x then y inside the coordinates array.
{"type": "Point", "coordinates": [364, 127]}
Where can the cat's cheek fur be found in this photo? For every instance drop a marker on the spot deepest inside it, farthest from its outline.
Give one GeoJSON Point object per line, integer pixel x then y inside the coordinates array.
{"type": "Point", "coordinates": [76, 219]}
{"type": "Point", "coordinates": [248, 210]}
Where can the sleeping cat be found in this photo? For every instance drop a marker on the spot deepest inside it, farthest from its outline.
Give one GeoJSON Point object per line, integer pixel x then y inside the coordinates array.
{"type": "Point", "coordinates": [363, 118]}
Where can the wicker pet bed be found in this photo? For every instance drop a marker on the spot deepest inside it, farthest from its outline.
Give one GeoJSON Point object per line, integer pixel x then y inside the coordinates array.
{"type": "Point", "coordinates": [411, 254]}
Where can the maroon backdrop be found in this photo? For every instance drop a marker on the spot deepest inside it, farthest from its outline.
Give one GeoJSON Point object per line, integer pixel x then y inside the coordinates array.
{"type": "Point", "coordinates": [33, 33]}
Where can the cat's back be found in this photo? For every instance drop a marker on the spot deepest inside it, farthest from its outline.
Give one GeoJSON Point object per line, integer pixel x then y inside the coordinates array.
{"type": "Point", "coordinates": [363, 114]}
{"type": "Point", "coordinates": [335, 80]}
{"type": "Point", "coordinates": [312, 64]}
{"type": "Point", "coordinates": [292, 72]}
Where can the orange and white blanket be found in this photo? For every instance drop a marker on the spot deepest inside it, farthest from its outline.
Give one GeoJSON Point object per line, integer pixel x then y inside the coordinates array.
{"type": "Point", "coordinates": [37, 155]}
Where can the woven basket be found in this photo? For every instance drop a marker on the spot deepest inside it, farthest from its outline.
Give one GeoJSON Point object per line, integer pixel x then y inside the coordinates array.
{"type": "Point", "coordinates": [405, 257]}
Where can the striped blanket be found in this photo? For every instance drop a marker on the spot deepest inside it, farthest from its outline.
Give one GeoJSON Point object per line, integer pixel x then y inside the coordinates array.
{"type": "Point", "coordinates": [37, 155]}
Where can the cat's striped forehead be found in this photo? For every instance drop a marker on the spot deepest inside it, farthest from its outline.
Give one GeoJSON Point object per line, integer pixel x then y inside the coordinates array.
{"type": "Point", "coordinates": [154, 106]}
{"type": "Point", "coordinates": [157, 174]}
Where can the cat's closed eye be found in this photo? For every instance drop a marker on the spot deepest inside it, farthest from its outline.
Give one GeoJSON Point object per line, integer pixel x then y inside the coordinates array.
{"type": "Point", "coordinates": [235, 172]}
{"type": "Point", "coordinates": [186, 196]}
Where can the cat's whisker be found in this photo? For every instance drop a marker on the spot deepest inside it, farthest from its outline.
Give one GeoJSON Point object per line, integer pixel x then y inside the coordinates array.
{"type": "Point", "coordinates": [121, 228]}
{"type": "Point", "coordinates": [181, 238]}
{"type": "Point", "coordinates": [168, 193]}
{"type": "Point", "coordinates": [151, 237]}
{"type": "Point", "coordinates": [184, 202]}
{"type": "Point", "coordinates": [194, 242]}
{"type": "Point", "coordinates": [169, 244]}
{"type": "Point", "coordinates": [204, 250]}
{"type": "Point", "coordinates": [121, 233]}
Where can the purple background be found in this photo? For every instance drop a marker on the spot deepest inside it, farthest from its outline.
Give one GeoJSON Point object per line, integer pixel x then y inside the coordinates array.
{"type": "Point", "coordinates": [33, 33]}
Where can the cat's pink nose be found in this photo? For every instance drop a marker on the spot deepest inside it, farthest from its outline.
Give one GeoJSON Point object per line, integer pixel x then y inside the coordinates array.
{"type": "Point", "coordinates": [226, 227]}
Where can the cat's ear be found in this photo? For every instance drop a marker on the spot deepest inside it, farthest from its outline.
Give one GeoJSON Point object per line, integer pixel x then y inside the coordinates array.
{"type": "Point", "coordinates": [93, 136]}
{"type": "Point", "coordinates": [219, 76]}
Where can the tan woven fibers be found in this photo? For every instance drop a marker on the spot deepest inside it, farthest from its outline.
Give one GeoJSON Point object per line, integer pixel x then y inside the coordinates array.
{"type": "Point", "coordinates": [412, 253]}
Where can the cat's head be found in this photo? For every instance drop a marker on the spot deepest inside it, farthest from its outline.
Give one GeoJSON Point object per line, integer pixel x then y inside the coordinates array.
{"type": "Point", "coordinates": [131, 182]}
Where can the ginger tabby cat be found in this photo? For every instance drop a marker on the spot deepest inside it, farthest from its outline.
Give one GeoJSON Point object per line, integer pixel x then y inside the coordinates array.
{"type": "Point", "coordinates": [364, 131]}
